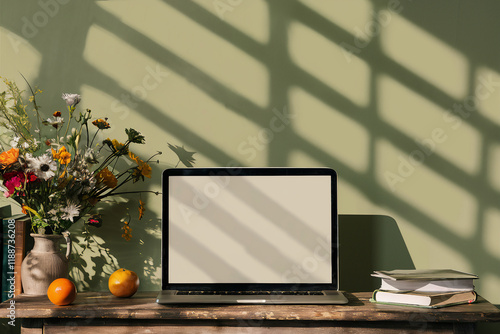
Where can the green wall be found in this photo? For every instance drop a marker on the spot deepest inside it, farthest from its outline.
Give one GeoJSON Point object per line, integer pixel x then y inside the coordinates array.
{"type": "Point", "coordinates": [402, 98]}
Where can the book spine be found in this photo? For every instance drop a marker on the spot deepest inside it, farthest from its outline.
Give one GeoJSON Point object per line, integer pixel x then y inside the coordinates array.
{"type": "Point", "coordinates": [471, 300]}
{"type": "Point", "coordinates": [22, 234]}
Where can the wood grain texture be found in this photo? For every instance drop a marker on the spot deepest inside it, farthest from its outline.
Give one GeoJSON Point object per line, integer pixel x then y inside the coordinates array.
{"type": "Point", "coordinates": [102, 305]}
{"type": "Point", "coordinates": [163, 329]}
{"type": "Point", "coordinates": [126, 326]}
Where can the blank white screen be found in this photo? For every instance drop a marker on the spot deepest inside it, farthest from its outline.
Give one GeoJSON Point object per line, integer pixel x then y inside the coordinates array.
{"type": "Point", "coordinates": [250, 229]}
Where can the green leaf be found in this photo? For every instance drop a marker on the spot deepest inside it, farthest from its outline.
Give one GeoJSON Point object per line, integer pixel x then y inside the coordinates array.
{"type": "Point", "coordinates": [135, 136]}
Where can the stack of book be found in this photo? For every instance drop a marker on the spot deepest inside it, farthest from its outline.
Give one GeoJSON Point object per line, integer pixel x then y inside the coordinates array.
{"type": "Point", "coordinates": [425, 288]}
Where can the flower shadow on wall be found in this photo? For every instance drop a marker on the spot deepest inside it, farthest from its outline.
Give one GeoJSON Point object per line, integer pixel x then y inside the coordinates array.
{"type": "Point", "coordinates": [140, 227]}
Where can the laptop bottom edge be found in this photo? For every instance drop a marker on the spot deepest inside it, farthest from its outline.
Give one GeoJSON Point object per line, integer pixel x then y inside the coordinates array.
{"type": "Point", "coordinates": [329, 297]}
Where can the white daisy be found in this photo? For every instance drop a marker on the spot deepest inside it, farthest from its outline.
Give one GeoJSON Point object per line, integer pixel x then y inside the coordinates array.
{"type": "Point", "coordinates": [70, 212]}
{"type": "Point", "coordinates": [43, 166]}
{"type": "Point", "coordinates": [55, 122]}
{"type": "Point", "coordinates": [71, 99]}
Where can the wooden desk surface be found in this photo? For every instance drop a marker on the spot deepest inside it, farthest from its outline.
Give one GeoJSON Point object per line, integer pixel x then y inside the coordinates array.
{"type": "Point", "coordinates": [142, 306]}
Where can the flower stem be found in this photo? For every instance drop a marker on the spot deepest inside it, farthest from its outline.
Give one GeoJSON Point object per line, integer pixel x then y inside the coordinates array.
{"type": "Point", "coordinates": [133, 192]}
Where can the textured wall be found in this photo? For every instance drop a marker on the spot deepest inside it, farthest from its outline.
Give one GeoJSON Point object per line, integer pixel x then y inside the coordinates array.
{"type": "Point", "coordinates": [402, 98]}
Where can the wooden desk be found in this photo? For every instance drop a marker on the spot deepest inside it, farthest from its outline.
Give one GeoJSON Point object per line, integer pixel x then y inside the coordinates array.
{"type": "Point", "coordinates": [102, 313]}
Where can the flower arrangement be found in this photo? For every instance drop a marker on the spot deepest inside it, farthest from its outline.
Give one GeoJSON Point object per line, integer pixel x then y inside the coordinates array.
{"type": "Point", "coordinates": [57, 171]}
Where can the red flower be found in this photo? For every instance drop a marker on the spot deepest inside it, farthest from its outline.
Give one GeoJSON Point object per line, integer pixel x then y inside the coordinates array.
{"type": "Point", "coordinates": [13, 181]}
{"type": "Point", "coordinates": [31, 177]}
{"type": "Point", "coordinates": [95, 220]}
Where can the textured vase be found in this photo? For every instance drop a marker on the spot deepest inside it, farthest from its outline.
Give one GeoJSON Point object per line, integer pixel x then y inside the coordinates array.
{"type": "Point", "coordinates": [44, 263]}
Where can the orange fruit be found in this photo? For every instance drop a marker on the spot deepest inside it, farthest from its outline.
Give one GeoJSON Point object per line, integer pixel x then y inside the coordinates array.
{"type": "Point", "coordinates": [61, 291]}
{"type": "Point", "coordinates": [123, 283]}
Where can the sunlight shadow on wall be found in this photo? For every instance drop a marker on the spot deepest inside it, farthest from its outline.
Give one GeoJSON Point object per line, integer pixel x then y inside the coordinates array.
{"type": "Point", "coordinates": [433, 128]}
{"type": "Point", "coordinates": [329, 65]}
{"type": "Point", "coordinates": [335, 127]}
{"type": "Point", "coordinates": [438, 63]}
{"type": "Point", "coordinates": [446, 203]}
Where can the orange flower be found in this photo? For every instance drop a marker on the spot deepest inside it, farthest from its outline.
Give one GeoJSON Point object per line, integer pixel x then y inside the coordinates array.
{"type": "Point", "coordinates": [9, 157]}
{"type": "Point", "coordinates": [101, 123]}
{"type": "Point", "coordinates": [145, 170]}
{"type": "Point", "coordinates": [142, 209]}
{"type": "Point", "coordinates": [127, 231]}
{"type": "Point", "coordinates": [62, 155]}
{"type": "Point", "coordinates": [119, 147]}
{"type": "Point", "coordinates": [64, 158]}
{"type": "Point", "coordinates": [56, 114]}
{"type": "Point", "coordinates": [134, 157]}
{"type": "Point", "coordinates": [57, 154]}
{"type": "Point", "coordinates": [106, 177]}
{"type": "Point", "coordinates": [142, 169]}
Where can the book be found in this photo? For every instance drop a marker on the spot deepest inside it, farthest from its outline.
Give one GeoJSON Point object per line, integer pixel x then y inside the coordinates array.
{"type": "Point", "coordinates": [423, 299]}
{"type": "Point", "coordinates": [443, 285]}
{"type": "Point", "coordinates": [422, 274]}
{"type": "Point", "coordinates": [430, 280]}
{"type": "Point", "coordinates": [24, 243]}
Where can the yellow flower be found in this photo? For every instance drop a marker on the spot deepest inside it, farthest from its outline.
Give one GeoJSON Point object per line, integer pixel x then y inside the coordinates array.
{"type": "Point", "coordinates": [142, 169]}
{"type": "Point", "coordinates": [145, 170]}
{"type": "Point", "coordinates": [106, 177]}
{"type": "Point", "coordinates": [117, 145]}
{"type": "Point", "coordinates": [101, 123]}
{"type": "Point", "coordinates": [64, 158]}
{"type": "Point", "coordinates": [9, 157]}
{"type": "Point", "coordinates": [62, 155]}
{"type": "Point", "coordinates": [134, 157]}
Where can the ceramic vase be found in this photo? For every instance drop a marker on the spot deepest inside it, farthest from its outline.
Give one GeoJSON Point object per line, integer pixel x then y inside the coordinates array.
{"type": "Point", "coordinates": [44, 263]}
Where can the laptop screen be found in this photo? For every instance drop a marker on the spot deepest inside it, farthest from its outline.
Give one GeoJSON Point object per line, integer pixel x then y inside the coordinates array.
{"type": "Point", "coordinates": [249, 226]}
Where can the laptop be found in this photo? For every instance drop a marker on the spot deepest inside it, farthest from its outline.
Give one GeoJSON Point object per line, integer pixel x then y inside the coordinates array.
{"type": "Point", "coordinates": [250, 236]}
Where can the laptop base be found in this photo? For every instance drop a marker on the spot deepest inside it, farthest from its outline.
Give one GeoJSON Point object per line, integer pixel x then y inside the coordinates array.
{"type": "Point", "coordinates": [330, 297]}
